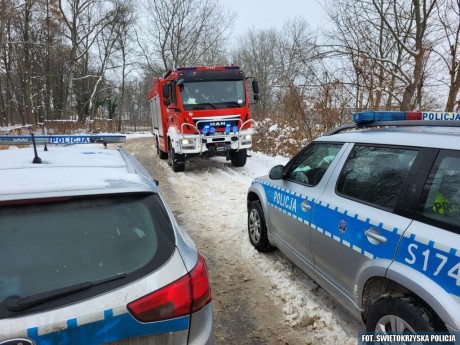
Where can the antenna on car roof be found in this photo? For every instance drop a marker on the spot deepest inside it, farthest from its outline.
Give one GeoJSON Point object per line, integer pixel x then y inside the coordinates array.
{"type": "Point", "coordinates": [36, 160]}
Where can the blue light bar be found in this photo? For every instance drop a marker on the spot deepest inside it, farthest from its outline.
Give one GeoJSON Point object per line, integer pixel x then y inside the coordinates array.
{"type": "Point", "coordinates": [372, 116]}
{"type": "Point", "coordinates": [62, 139]}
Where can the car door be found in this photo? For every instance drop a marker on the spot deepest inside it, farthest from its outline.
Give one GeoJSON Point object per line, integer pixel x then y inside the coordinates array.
{"type": "Point", "coordinates": [431, 244]}
{"type": "Point", "coordinates": [291, 199]}
{"type": "Point", "coordinates": [354, 223]}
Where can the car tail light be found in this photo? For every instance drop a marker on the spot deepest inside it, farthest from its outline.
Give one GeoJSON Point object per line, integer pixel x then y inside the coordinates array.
{"type": "Point", "coordinates": [184, 296]}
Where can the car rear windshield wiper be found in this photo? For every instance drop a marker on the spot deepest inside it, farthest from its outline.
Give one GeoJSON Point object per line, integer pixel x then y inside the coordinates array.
{"type": "Point", "coordinates": [17, 303]}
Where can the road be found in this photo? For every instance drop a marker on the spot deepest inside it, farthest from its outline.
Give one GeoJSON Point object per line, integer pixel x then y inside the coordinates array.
{"type": "Point", "coordinates": [258, 298]}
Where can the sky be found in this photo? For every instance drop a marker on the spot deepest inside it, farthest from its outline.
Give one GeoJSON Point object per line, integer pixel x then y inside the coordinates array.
{"type": "Point", "coordinates": [266, 14]}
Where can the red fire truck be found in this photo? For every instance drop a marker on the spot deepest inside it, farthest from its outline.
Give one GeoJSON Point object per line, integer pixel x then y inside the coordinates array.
{"type": "Point", "coordinates": [202, 111]}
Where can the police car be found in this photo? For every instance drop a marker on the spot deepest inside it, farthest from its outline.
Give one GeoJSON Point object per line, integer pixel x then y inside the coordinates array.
{"type": "Point", "coordinates": [89, 251]}
{"type": "Point", "coordinates": [371, 211]}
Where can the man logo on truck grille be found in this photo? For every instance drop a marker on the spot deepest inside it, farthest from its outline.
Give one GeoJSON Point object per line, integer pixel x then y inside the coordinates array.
{"type": "Point", "coordinates": [215, 124]}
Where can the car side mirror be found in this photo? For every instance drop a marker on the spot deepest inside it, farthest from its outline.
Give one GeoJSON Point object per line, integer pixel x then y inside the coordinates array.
{"type": "Point", "coordinates": [276, 173]}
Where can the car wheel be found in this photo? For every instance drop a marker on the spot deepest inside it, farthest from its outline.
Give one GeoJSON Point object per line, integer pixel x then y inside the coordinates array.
{"type": "Point", "coordinates": [257, 228]}
{"type": "Point", "coordinates": [175, 161]}
{"type": "Point", "coordinates": [399, 315]}
{"type": "Point", "coordinates": [239, 158]}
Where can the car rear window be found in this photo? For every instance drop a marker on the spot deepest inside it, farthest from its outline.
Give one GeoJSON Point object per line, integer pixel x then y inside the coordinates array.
{"type": "Point", "coordinates": [50, 245]}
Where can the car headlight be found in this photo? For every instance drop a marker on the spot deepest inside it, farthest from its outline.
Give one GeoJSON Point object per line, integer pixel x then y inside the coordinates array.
{"type": "Point", "coordinates": [247, 137]}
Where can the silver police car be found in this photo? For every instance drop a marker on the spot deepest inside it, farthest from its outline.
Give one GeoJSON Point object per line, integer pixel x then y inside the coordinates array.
{"type": "Point", "coordinates": [371, 212]}
{"type": "Point", "coordinates": [90, 253]}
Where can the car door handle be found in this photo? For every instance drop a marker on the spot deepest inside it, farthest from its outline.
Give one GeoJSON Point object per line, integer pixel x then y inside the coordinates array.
{"type": "Point", "coordinates": [305, 206]}
{"type": "Point", "coordinates": [374, 236]}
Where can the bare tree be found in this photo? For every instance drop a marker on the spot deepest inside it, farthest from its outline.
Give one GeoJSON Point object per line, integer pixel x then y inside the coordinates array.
{"type": "Point", "coordinates": [258, 56]}
{"type": "Point", "coordinates": [84, 20]}
{"type": "Point", "coordinates": [112, 38]}
{"type": "Point", "coordinates": [449, 50]}
{"type": "Point", "coordinates": [413, 20]}
{"type": "Point", "coordinates": [389, 44]}
{"type": "Point", "coordinates": [7, 8]}
{"type": "Point", "coordinates": [184, 32]}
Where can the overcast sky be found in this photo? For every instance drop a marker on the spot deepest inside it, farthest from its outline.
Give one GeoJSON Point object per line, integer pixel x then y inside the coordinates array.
{"type": "Point", "coordinates": [265, 14]}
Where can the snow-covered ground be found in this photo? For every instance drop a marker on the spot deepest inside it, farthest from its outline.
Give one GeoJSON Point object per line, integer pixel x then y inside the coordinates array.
{"type": "Point", "coordinates": [281, 304]}
{"type": "Point", "coordinates": [258, 298]}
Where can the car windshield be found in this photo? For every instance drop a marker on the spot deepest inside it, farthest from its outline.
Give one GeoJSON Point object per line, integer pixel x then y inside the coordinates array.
{"type": "Point", "coordinates": [213, 94]}
{"type": "Point", "coordinates": [47, 246]}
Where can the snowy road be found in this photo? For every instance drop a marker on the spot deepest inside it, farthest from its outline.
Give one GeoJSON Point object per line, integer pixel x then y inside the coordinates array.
{"type": "Point", "coordinates": [258, 298]}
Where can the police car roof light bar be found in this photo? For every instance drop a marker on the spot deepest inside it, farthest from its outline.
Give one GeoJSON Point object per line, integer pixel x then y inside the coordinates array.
{"type": "Point", "coordinates": [62, 139]}
{"type": "Point", "coordinates": [400, 118]}
{"type": "Point", "coordinates": [373, 116]}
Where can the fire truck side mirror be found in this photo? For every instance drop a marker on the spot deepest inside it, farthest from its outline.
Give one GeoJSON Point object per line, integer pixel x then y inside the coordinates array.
{"type": "Point", "coordinates": [166, 100]}
{"type": "Point", "coordinates": [255, 86]}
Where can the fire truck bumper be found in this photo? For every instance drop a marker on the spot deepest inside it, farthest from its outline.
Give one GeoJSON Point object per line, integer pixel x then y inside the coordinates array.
{"type": "Point", "coordinates": [218, 144]}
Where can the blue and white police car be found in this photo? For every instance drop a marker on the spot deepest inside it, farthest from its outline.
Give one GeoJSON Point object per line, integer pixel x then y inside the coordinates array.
{"type": "Point", "coordinates": [89, 251]}
{"type": "Point", "coordinates": [371, 211]}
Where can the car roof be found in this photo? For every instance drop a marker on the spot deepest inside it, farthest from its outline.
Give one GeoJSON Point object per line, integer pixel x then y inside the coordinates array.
{"type": "Point", "coordinates": [420, 136]}
{"type": "Point", "coordinates": [70, 171]}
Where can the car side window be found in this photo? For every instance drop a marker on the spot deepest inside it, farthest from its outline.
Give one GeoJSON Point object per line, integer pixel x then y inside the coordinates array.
{"type": "Point", "coordinates": [439, 203]}
{"type": "Point", "coordinates": [375, 175]}
{"type": "Point", "coordinates": [309, 166]}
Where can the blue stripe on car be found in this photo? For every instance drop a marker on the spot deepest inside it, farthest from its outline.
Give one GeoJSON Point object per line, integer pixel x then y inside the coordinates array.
{"type": "Point", "coordinates": [439, 263]}
{"type": "Point", "coordinates": [111, 328]}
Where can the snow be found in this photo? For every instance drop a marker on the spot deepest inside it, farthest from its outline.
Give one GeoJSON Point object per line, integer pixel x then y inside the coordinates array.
{"type": "Point", "coordinates": [216, 182]}
{"type": "Point", "coordinates": [209, 200]}
{"type": "Point", "coordinates": [71, 168]}
{"type": "Point", "coordinates": [292, 290]}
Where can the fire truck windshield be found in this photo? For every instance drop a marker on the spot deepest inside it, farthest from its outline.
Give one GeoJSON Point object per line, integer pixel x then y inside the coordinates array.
{"type": "Point", "coordinates": [212, 94]}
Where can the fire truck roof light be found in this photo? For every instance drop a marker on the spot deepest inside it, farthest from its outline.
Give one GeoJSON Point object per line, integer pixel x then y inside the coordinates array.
{"type": "Point", "coordinates": [62, 139]}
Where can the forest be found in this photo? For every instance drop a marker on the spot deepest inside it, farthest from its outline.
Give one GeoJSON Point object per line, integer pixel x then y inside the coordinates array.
{"type": "Point", "coordinates": [93, 60]}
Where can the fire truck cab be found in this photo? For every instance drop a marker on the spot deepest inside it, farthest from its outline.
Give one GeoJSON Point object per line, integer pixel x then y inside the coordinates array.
{"type": "Point", "coordinates": [202, 111]}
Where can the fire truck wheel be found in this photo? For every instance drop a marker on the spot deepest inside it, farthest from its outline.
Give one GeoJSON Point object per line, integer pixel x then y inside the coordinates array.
{"type": "Point", "coordinates": [175, 161]}
{"type": "Point", "coordinates": [238, 158]}
{"type": "Point", "coordinates": [163, 155]}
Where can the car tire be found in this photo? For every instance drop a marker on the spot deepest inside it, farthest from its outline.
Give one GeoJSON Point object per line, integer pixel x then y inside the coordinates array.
{"type": "Point", "coordinates": [239, 158]}
{"type": "Point", "coordinates": [163, 155]}
{"type": "Point", "coordinates": [257, 228]}
{"type": "Point", "coordinates": [398, 315]}
{"type": "Point", "coordinates": [175, 161]}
